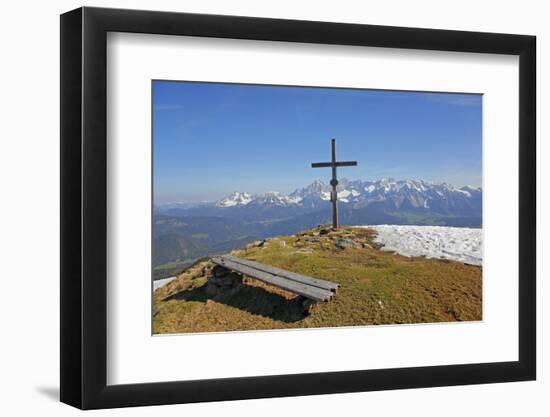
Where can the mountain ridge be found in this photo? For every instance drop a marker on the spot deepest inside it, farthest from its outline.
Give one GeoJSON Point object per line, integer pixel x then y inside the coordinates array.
{"type": "Point", "coordinates": [390, 194]}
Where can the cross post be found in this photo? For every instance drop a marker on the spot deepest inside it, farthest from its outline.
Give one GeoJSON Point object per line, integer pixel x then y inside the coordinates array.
{"type": "Point", "coordinates": [334, 181]}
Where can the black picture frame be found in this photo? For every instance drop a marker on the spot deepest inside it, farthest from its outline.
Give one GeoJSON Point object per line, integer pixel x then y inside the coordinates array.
{"type": "Point", "coordinates": [84, 207]}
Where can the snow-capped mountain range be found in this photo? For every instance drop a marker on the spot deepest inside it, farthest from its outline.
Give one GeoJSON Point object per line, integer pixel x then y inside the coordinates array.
{"type": "Point", "coordinates": [187, 231]}
{"type": "Point", "coordinates": [387, 192]}
{"type": "Point", "coordinates": [273, 198]}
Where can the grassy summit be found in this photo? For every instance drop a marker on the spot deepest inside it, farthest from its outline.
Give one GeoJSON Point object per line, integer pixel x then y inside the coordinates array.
{"type": "Point", "coordinates": [377, 287]}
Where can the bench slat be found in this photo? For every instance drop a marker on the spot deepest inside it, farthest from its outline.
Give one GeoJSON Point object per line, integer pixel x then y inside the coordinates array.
{"type": "Point", "coordinates": [314, 293]}
{"type": "Point", "coordinates": [303, 279]}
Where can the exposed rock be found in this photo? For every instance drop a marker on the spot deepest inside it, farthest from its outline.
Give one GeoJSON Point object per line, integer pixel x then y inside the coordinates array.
{"type": "Point", "coordinates": [255, 244]}
{"type": "Point", "coordinates": [344, 243]}
{"type": "Point", "coordinates": [224, 284]}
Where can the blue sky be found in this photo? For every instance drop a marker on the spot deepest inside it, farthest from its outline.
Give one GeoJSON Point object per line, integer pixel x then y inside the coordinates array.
{"type": "Point", "coordinates": [210, 139]}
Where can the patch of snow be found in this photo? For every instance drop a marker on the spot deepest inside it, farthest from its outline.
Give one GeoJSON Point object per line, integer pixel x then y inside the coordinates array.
{"type": "Point", "coordinates": [245, 199]}
{"type": "Point", "coordinates": [456, 243]}
{"type": "Point", "coordinates": [159, 283]}
{"type": "Point", "coordinates": [344, 194]}
{"type": "Point", "coordinates": [463, 192]}
{"type": "Point", "coordinates": [370, 188]}
{"type": "Point", "coordinates": [294, 200]}
{"type": "Point", "coordinates": [325, 195]}
{"type": "Point", "coordinates": [355, 193]}
{"type": "Point", "coordinates": [345, 200]}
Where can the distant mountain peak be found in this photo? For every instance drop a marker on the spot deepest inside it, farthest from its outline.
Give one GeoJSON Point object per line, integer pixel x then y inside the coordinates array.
{"type": "Point", "coordinates": [236, 198]}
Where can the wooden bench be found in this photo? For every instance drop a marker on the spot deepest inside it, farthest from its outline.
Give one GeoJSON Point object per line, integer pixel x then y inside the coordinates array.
{"type": "Point", "coordinates": [312, 288]}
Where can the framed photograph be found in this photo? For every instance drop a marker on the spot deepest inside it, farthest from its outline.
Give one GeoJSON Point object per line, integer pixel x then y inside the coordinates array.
{"type": "Point", "coordinates": [258, 208]}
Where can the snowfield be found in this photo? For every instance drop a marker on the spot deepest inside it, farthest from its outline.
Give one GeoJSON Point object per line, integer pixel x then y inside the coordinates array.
{"type": "Point", "coordinates": [162, 282]}
{"type": "Point", "coordinates": [456, 243]}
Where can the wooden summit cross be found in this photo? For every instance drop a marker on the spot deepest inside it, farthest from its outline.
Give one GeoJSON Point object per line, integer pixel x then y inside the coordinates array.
{"type": "Point", "coordinates": [334, 181]}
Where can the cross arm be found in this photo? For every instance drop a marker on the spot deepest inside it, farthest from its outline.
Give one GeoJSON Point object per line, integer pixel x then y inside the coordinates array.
{"type": "Point", "coordinates": [321, 165]}
{"type": "Point", "coordinates": [336, 164]}
{"type": "Point", "coordinates": [346, 164]}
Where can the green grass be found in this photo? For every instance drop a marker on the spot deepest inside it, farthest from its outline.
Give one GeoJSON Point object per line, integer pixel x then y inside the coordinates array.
{"type": "Point", "coordinates": [377, 287]}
